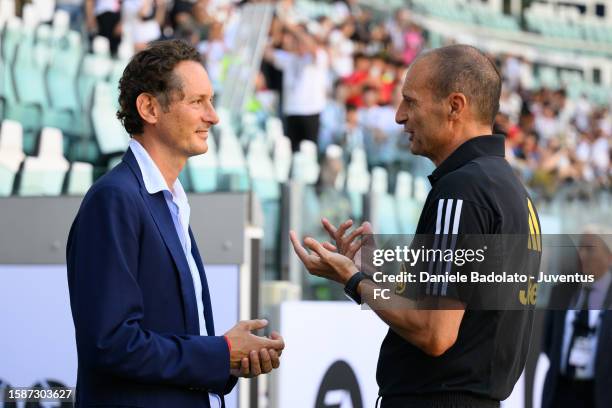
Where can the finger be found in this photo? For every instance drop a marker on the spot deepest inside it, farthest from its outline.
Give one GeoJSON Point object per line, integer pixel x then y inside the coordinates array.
{"type": "Point", "coordinates": [353, 249]}
{"type": "Point", "coordinates": [256, 324]}
{"type": "Point", "coordinates": [329, 227]}
{"type": "Point", "coordinates": [297, 247]}
{"type": "Point", "coordinates": [276, 336]}
{"type": "Point", "coordinates": [330, 247]}
{"type": "Point", "coordinates": [255, 366]}
{"type": "Point", "coordinates": [356, 233]}
{"type": "Point", "coordinates": [314, 245]}
{"type": "Point", "coordinates": [343, 227]}
{"type": "Point", "coordinates": [277, 344]}
{"type": "Point", "coordinates": [244, 367]}
{"type": "Point", "coordinates": [275, 357]}
{"type": "Point", "coordinates": [265, 361]}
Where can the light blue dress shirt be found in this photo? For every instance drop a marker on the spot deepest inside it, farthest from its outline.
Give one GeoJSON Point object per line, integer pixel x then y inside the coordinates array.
{"type": "Point", "coordinates": [176, 199]}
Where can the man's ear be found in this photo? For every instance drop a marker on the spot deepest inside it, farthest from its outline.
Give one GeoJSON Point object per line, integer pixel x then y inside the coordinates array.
{"type": "Point", "coordinates": [148, 108]}
{"type": "Point", "coordinates": [457, 104]}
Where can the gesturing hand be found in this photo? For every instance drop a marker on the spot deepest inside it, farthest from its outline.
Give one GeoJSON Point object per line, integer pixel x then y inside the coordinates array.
{"type": "Point", "coordinates": [346, 245]}
{"type": "Point", "coordinates": [322, 261]}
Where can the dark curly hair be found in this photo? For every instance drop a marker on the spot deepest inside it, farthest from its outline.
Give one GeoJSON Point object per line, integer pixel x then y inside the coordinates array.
{"type": "Point", "coordinates": [151, 71]}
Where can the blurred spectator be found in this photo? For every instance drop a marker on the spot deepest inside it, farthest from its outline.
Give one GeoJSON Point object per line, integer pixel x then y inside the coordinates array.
{"type": "Point", "coordinates": [286, 12]}
{"type": "Point", "coordinates": [396, 28]}
{"type": "Point", "coordinates": [414, 41]}
{"type": "Point", "coordinates": [103, 17]}
{"type": "Point", "coordinates": [214, 50]}
{"type": "Point", "coordinates": [576, 341]}
{"type": "Point", "coordinates": [546, 123]}
{"type": "Point", "coordinates": [143, 19]}
{"type": "Point", "coordinates": [333, 117]}
{"type": "Point", "coordinates": [352, 135]}
{"type": "Point", "coordinates": [342, 49]}
{"type": "Point", "coordinates": [75, 9]}
{"type": "Point", "coordinates": [305, 67]}
{"type": "Point", "coordinates": [181, 12]}
{"type": "Point", "coordinates": [358, 79]}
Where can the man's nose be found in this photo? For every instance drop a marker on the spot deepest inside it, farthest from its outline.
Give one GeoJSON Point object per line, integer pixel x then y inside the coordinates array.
{"type": "Point", "coordinates": [399, 117]}
{"type": "Point", "coordinates": [212, 117]}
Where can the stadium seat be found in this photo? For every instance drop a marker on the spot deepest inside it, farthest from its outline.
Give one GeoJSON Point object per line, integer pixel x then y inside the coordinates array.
{"type": "Point", "coordinates": [33, 57]}
{"type": "Point", "coordinates": [261, 171]}
{"type": "Point", "coordinates": [404, 203]}
{"type": "Point", "coordinates": [30, 16]}
{"type": "Point", "coordinates": [114, 77]}
{"type": "Point", "coordinates": [283, 157]}
{"type": "Point", "coordinates": [11, 154]}
{"type": "Point", "coordinates": [10, 41]}
{"type": "Point", "coordinates": [305, 167]}
{"type": "Point", "coordinates": [267, 190]}
{"type": "Point", "coordinates": [95, 67]}
{"type": "Point", "coordinates": [60, 23]}
{"type": "Point", "coordinates": [44, 9]}
{"type": "Point", "coordinates": [384, 220]}
{"type": "Point", "coordinates": [80, 178]}
{"type": "Point", "coordinates": [233, 174]}
{"type": "Point", "coordinates": [45, 173]}
{"type": "Point", "coordinates": [110, 133]}
{"type": "Point", "coordinates": [421, 189]}
{"type": "Point", "coordinates": [202, 170]}
{"type": "Point", "coordinates": [61, 76]}
{"type": "Point", "coordinates": [7, 11]}
{"type": "Point", "coordinates": [357, 181]}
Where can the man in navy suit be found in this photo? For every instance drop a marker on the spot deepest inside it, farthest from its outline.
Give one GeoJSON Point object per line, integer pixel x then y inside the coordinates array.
{"type": "Point", "coordinates": [577, 341]}
{"type": "Point", "coordinates": [138, 292]}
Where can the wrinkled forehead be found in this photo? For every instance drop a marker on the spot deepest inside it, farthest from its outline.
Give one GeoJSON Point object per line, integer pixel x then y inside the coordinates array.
{"type": "Point", "coordinates": [418, 77]}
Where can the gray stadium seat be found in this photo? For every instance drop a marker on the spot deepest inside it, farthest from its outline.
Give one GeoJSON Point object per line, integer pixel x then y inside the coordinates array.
{"type": "Point", "coordinates": [110, 133]}
{"type": "Point", "coordinates": [80, 178]}
{"type": "Point", "coordinates": [45, 173]}
{"type": "Point", "coordinates": [95, 67]}
{"type": "Point", "coordinates": [233, 174]}
{"type": "Point", "coordinates": [11, 154]}
{"type": "Point", "coordinates": [384, 220]}
{"type": "Point", "coordinates": [203, 169]}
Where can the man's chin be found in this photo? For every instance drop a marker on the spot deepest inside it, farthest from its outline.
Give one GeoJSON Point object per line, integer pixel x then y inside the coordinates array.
{"type": "Point", "coordinates": [201, 148]}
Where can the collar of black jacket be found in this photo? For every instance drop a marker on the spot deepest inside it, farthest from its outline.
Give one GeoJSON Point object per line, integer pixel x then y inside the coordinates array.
{"type": "Point", "coordinates": [487, 145]}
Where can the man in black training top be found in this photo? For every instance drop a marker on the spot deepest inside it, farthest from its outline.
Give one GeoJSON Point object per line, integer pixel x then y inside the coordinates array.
{"type": "Point", "coordinates": [455, 354]}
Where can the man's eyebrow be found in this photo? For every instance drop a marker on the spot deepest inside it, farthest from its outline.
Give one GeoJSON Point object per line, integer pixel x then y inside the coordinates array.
{"type": "Point", "coordinates": [203, 96]}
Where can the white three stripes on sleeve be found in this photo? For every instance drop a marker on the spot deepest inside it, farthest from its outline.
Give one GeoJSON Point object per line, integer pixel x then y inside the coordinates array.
{"type": "Point", "coordinates": [444, 217]}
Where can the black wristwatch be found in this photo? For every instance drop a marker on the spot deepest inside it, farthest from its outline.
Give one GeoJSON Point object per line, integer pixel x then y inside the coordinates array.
{"type": "Point", "coordinates": [350, 289]}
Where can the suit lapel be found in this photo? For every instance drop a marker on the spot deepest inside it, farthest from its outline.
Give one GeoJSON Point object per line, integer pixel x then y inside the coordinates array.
{"type": "Point", "coordinates": [161, 215]}
{"type": "Point", "coordinates": [208, 315]}
{"type": "Point", "coordinates": [163, 220]}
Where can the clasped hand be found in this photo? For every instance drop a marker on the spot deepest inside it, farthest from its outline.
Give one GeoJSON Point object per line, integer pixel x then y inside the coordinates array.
{"type": "Point", "coordinates": [252, 355]}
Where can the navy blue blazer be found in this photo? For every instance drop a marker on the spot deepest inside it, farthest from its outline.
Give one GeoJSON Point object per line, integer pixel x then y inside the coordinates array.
{"type": "Point", "coordinates": [133, 302]}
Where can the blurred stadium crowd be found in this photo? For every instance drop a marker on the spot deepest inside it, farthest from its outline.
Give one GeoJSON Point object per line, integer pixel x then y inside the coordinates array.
{"type": "Point", "coordinates": [336, 79]}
